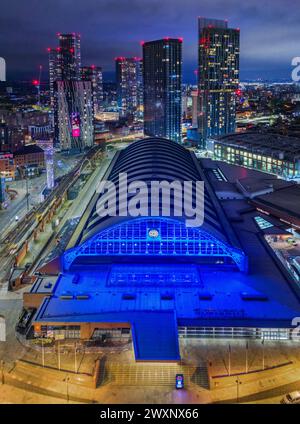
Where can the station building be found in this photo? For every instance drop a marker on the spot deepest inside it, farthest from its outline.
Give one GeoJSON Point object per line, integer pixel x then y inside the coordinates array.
{"type": "Point", "coordinates": [154, 279]}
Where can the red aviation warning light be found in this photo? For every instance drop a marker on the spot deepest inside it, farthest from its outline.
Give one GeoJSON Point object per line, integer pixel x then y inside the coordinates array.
{"type": "Point", "coordinates": [35, 82]}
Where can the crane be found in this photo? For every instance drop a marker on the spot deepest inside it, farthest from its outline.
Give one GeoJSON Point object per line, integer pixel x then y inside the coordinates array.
{"type": "Point", "coordinates": [37, 84]}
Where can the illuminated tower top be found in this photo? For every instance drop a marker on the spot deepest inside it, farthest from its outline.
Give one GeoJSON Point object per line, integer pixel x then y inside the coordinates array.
{"type": "Point", "coordinates": [69, 56]}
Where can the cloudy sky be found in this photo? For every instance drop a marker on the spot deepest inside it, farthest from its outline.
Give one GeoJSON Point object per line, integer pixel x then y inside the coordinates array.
{"type": "Point", "coordinates": [270, 31]}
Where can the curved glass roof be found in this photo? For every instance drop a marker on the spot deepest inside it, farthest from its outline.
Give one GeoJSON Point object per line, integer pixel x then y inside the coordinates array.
{"type": "Point", "coordinates": [157, 159]}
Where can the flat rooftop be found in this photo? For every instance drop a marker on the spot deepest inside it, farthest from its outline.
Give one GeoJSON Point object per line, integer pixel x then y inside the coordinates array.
{"type": "Point", "coordinates": [268, 144]}
{"type": "Point", "coordinates": [286, 200]}
{"type": "Point", "coordinates": [284, 195]}
{"type": "Point", "coordinates": [198, 293]}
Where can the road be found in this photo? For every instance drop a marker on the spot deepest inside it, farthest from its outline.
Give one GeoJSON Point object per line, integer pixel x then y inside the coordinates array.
{"type": "Point", "coordinates": [18, 206]}
{"type": "Point", "coordinates": [13, 239]}
{"type": "Point", "coordinates": [78, 206]}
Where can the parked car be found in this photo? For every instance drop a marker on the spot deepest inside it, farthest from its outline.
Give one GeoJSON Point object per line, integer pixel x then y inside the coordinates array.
{"type": "Point", "coordinates": [293, 397]}
{"type": "Point", "coordinates": [179, 381]}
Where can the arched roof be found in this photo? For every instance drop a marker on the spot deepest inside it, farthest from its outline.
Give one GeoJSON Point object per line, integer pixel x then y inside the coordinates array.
{"type": "Point", "coordinates": [158, 159]}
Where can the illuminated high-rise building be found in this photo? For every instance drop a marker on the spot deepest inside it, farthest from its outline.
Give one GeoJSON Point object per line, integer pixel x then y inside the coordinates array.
{"type": "Point", "coordinates": [74, 115]}
{"type": "Point", "coordinates": [194, 94]}
{"type": "Point", "coordinates": [218, 78]}
{"type": "Point", "coordinates": [162, 62]}
{"type": "Point", "coordinates": [68, 57]}
{"type": "Point", "coordinates": [64, 61]}
{"type": "Point", "coordinates": [53, 72]}
{"type": "Point", "coordinates": [72, 97]}
{"type": "Point", "coordinates": [94, 74]}
{"type": "Point", "coordinates": [129, 86]}
{"type": "Point", "coordinates": [2, 69]}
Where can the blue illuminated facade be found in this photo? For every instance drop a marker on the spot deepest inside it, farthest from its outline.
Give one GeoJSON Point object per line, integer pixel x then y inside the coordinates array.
{"type": "Point", "coordinates": [160, 237]}
{"type": "Point", "coordinates": [144, 274]}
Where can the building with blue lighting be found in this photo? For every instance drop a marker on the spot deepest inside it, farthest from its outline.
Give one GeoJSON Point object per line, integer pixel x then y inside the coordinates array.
{"type": "Point", "coordinates": [155, 279]}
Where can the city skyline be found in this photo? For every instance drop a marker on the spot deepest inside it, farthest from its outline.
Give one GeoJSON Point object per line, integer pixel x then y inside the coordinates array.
{"type": "Point", "coordinates": [268, 42]}
{"type": "Point", "coordinates": [149, 205]}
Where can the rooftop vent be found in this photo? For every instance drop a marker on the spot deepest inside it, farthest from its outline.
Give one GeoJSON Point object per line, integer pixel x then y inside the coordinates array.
{"type": "Point", "coordinates": [254, 297]}
{"type": "Point", "coordinates": [66, 297]}
{"type": "Point", "coordinates": [205, 296]}
{"type": "Point", "coordinates": [167, 296]}
{"type": "Point", "coordinates": [128, 296]}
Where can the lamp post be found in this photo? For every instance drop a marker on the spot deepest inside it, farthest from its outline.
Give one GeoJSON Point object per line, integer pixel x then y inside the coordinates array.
{"type": "Point", "coordinates": [263, 353]}
{"type": "Point", "coordinates": [238, 382]}
{"type": "Point", "coordinates": [58, 352]}
{"type": "Point", "coordinates": [2, 372]}
{"type": "Point", "coordinates": [67, 386]}
{"type": "Point", "coordinates": [43, 353]}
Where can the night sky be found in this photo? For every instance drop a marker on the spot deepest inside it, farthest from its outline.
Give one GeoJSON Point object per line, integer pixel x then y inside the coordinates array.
{"type": "Point", "coordinates": [270, 31]}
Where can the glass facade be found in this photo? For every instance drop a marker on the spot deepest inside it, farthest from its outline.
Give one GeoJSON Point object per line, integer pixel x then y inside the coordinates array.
{"type": "Point", "coordinates": [94, 74]}
{"type": "Point", "coordinates": [129, 86]}
{"type": "Point", "coordinates": [115, 334]}
{"type": "Point", "coordinates": [162, 61]}
{"type": "Point", "coordinates": [59, 331]}
{"type": "Point", "coordinates": [256, 160]}
{"type": "Point", "coordinates": [154, 237]}
{"type": "Point", "coordinates": [218, 74]}
{"type": "Point", "coordinates": [235, 333]}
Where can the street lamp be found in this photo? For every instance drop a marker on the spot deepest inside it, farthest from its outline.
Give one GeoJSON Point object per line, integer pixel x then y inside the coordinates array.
{"type": "Point", "coordinates": [67, 387]}
{"type": "Point", "coordinates": [2, 372]}
{"type": "Point", "coordinates": [238, 382]}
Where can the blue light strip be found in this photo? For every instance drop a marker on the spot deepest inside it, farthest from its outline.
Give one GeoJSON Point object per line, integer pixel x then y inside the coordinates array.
{"type": "Point", "coordinates": [154, 237]}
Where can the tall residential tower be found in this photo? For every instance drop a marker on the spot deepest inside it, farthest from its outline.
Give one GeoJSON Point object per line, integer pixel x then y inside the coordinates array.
{"type": "Point", "coordinates": [218, 78]}
{"type": "Point", "coordinates": [72, 95]}
{"type": "Point", "coordinates": [94, 74]}
{"type": "Point", "coordinates": [68, 57]}
{"type": "Point", "coordinates": [129, 82]}
{"type": "Point", "coordinates": [162, 61]}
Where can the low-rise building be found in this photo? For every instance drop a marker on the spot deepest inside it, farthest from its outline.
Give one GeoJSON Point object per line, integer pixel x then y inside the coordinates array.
{"type": "Point", "coordinates": [29, 155]}
{"type": "Point", "coordinates": [272, 153]}
{"type": "Point", "coordinates": [7, 166]}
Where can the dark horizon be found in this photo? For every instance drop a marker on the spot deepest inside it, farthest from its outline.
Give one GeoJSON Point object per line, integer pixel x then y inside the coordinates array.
{"type": "Point", "coordinates": [269, 32]}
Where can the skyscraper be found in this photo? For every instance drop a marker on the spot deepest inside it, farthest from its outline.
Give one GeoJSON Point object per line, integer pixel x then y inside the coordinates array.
{"type": "Point", "coordinates": [68, 57]}
{"type": "Point", "coordinates": [2, 69]}
{"type": "Point", "coordinates": [194, 94]}
{"type": "Point", "coordinates": [71, 96]}
{"type": "Point", "coordinates": [162, 60]}
{"type": "Point", "coordinates": [94, 74]}
{"type": "Point", "coordinates": [53, 73]}
{"type": "Point", "coordinates": [75, 115]}
{"type": "Point", "coordinates": [129, 86]}
{"type": "Point", "coordinates": [218, 75]}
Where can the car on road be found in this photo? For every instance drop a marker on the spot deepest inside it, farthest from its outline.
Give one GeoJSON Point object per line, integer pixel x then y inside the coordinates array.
{"type": "Point", "coordinates": [291, 241]}
{"type": "Point", "coordinates": [293, 397]}
{"type": "Point", "coordinates": [179, 384]}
